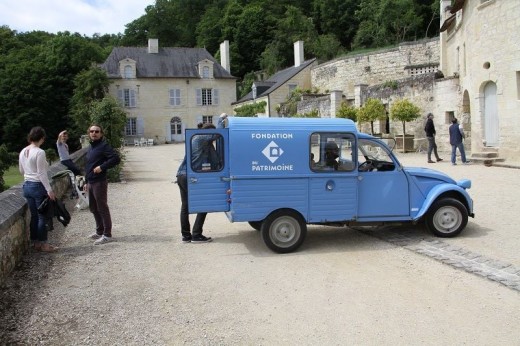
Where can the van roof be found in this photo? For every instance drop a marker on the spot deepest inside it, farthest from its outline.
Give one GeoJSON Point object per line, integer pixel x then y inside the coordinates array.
{"type": "Point", "coordinates": [324, 124]}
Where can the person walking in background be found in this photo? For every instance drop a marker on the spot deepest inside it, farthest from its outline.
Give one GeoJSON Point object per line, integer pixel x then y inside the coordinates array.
{"type": "Point", "coordinates": [63, 152]}
{"type": "Point", "coordinates": [456, 137]}
{"type": "Point", "coordinates": [33, 165]}
{"type": "Point", "coordinates": [429, 129]}
{"type": "Point", "coordinates": [203, 152]}
{"type": "Point", "coordinates": [100, 157]}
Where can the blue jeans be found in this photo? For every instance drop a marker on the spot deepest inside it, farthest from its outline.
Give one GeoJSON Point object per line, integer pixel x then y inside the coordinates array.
{"type": "Point", "coordinates": [454, 148]}
{"type": "Point", "coordinates": [35, 193]}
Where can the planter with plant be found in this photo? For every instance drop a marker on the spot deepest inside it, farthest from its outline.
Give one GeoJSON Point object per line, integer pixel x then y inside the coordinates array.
{"type": "Point", "coordinates": [372, 110]}
{"type": "Point", "coordinates": [404, 111]}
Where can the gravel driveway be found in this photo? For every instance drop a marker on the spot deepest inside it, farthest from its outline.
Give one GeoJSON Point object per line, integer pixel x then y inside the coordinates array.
{"type": "Point", "coordinates": [343, 286]}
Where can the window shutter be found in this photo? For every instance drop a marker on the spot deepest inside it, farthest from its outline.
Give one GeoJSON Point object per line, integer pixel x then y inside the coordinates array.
{"type": "Point", "coordinates": [140, 126]}
{"type": "Point", "coordinates": [215, 97]}
{"type": "Point", "coordinates": [199, 119]}
{"type": "Point", "coordinates": [178, 97]}
{"type": "Point", "coordinates": [132, 98]}
{"type": "Point", "coordinates": [120, 96]}
{"type": "Point", "coordinates": [172, 97]}
{"type": "Point", "coordinates": [199, 97]}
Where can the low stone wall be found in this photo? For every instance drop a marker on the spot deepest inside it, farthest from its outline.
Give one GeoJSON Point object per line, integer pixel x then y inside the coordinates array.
{"type": "Point", "coordinates": [15, 216]}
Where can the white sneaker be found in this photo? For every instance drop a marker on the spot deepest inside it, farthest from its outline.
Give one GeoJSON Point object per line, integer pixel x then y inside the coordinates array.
{"type": "Point", "coordinates": [103, 240]}
{"type": "Point", "coordinates": [95, 236]}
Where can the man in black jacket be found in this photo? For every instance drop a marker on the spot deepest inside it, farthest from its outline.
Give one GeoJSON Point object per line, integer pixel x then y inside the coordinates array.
{"type": "Point", "coordinates": [100, 157]}
{"type": "Point", "coordinates": [430, 135]}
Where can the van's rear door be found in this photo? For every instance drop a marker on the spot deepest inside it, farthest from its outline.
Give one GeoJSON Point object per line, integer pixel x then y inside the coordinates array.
{"type": "Point", "coordinates": [207, 170]}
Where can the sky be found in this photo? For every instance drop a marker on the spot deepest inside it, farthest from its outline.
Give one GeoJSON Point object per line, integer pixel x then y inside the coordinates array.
{"type": "Point", "coordinates": [86, 17]}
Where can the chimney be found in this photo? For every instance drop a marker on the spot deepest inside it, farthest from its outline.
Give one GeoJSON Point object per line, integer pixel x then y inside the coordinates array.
{"type": "Point", "coordinates": [298, 53]}
{"type": "Point", "coordinates": [153, 45]}
{"type": "Point", "coordinates": [224, 55]}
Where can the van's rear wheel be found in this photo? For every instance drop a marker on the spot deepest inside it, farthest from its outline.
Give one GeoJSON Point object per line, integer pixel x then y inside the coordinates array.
{"type": "Point", "coordinates": [447, 217]}
{"type": "Point", "coordinates": [284, 231]}
{"type": "Point", "coordinates": [256, 225]}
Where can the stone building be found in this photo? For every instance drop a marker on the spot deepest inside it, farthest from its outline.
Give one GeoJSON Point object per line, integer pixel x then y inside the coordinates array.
{"type": "Point", "coordinates": [165, 90]}
{"type": "Point", "coordinates": [275, 90]}
{"type": "Point", "coordinates": [477, 62]}
{"type": "Point", "coordinates": [481, 51]}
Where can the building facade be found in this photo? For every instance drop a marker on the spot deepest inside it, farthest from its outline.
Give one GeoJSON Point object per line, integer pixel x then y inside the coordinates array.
{"type": "Point", "coordinates": [166, 90]}
{"type": "Point", "coordinates": [481, 51]}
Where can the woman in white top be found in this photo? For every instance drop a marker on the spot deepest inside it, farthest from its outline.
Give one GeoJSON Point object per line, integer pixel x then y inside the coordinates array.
{"type": "Point", "coordinates": [36, 187]}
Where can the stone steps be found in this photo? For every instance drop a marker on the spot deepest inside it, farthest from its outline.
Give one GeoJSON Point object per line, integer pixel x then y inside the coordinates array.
{"type": "Point", "coordinates": [488, 157]}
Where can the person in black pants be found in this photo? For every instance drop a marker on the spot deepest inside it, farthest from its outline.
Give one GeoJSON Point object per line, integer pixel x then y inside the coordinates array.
{"type": "Point", "coordinates": [430, 135]}
{"type": "Point", "coordinates": [202, 151]}
{"type": "Point", "coordinates": [100, 158]}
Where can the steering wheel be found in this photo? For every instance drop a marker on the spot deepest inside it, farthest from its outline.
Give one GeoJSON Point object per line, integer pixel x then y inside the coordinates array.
{"type": "Point", "coordinates": [366, 166]}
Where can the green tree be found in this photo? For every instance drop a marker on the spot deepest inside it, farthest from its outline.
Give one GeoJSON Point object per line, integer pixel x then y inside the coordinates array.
{"type": "Point", "coordinates": [348, 112]}
{"type": "Point", "coordinates": [36, 84]}
{"type": "Point", "coordinates": [337, 18]}
{"type": "Point", "coordinates": [372, 110]}
{"type": "Point", "coordinates": [6, 160]}
{"type": "Point", "coordinates": [250, 110]}
{"type": "Point", "coordinates": [89, 86]}
{"type": "Point", "coordinates": [403, 110]}
{"type": "Point", "coordinates": [386, 22]}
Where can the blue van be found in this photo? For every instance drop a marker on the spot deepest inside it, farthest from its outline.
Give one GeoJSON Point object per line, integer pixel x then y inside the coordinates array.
{"type": "Point", "coordinates": [281, 174]}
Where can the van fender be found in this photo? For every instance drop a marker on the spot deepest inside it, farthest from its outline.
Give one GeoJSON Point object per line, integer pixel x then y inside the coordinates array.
{"type": "Point", "coordinates": [440, 189]}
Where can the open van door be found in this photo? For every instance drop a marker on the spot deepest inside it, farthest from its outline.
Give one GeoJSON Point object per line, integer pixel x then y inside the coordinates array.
{"type": "Point", "coordinates": [207, 163]}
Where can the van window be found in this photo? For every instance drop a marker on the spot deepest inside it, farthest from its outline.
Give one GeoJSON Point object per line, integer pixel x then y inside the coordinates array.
{"type": "Point", "coordinates": [331, 152]}
{"type": "Point", "coordinates": [374, 156]}
{"type": "Point", "coordinates": [207, 153]}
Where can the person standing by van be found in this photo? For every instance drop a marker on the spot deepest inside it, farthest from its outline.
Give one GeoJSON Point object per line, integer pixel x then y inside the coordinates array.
{"type": "Point", "coordinates": [33, 165]}
{"type": "Point", "coordinates": [63, 152]}
{"type": "Point", "coordinates": [429, 129]}
{"type": "Point", "coordinates": [202, 152]}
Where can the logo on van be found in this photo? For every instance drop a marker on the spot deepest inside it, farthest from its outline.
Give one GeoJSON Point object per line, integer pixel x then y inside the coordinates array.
{"type": "Point", "coordinates": [272, 151]}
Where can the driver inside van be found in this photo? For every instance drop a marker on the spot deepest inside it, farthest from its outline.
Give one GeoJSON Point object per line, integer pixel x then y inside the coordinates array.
{"type": "Point", "coordinates": [331, 155]}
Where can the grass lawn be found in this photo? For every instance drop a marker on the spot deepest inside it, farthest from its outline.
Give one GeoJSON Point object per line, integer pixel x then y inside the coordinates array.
{"type": "Point", "coordinates": [12, 176]}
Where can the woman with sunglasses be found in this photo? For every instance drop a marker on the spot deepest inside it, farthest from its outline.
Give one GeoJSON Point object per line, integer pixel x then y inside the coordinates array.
{"type": "Point", "coordinates": [100, 157]}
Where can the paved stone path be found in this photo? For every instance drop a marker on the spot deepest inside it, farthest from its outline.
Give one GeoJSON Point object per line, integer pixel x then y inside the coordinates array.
{"type": "Point", "coordinates": [455, 256]}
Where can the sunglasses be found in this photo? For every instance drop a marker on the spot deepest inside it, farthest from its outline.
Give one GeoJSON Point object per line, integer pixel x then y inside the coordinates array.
{"type": "Point", "coordinates": [94, 131]}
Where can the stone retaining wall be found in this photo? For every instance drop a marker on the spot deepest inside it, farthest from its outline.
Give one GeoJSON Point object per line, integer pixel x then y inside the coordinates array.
{"type": "Point", "coordinates": [15, 216]}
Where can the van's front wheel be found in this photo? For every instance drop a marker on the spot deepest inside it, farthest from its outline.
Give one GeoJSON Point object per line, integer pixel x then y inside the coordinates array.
{"type": "Point", "coordinates": [284, 231]}
{"type": "Point", "coordinates": [447, 217]}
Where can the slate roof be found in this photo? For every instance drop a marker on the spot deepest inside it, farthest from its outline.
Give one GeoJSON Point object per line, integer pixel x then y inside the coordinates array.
{"type": "Point", "coordinates": [168, 63]}
{"type": "Point", "coordinates": [266, 87]}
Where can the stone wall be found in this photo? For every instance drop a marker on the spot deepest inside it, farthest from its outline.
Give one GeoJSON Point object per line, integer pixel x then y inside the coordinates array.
{"type": "Point", "coordinates": [15, 216]}
{"type": "Point", "coordinates": [406, 60]}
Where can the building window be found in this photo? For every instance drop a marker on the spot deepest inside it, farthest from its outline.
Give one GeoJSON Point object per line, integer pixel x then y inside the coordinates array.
{"type": "Point", "coordinates": [207, 119]}
{"type": "Point", "coordinates": [126, 97]}
{"type": "Point", "coordinates": [129, 71]}
{"type": "Point", "coordinates": [449, 116]}
{"type": "Point", "coordinates": [176, 126]}
{"type": "Point", "coordinates": [205, 72]}
{"type": "Point", "coordinates": [131, 127]}
{"type": "Point", "coordinates": [175, 97]}
{"type": "Point", "coordinates": [207, 97]}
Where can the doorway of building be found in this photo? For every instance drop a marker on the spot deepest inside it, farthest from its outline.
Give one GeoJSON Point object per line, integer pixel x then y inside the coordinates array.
{"type": "Point", "coordinates": [176, 130]}
{"type": "Point", "coordinates": [491, 128]}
